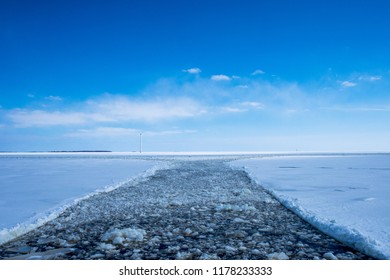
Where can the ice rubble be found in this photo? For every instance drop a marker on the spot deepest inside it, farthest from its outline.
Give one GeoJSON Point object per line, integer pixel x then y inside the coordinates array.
{"type": "Point", "coordinates": [121, 237]}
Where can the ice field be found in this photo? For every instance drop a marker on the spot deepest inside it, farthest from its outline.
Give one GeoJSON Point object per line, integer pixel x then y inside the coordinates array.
{"type": "Point", "coordinates": [35, 188]}
{"type": "Point", "coordinates": [345, 196]}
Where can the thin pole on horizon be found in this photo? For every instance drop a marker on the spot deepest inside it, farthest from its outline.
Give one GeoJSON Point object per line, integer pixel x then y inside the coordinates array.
{"type": "Point", "coordinates": [140, 142]}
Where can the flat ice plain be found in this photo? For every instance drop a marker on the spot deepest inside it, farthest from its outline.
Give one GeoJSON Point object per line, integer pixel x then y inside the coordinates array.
{"type": "Point", "coordinates": [36, 187]}
{"type": "Point", "coordinates": [345, 196]}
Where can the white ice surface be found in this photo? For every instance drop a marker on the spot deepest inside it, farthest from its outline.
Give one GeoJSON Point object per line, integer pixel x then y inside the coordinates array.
{"type": "Point", "coordinates": [346, 196]}
{"type": "Point", "coordinates": [36, 188]}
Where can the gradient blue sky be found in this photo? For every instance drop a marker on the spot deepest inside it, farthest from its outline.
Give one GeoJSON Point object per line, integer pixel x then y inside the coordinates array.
{"type": "Point", "coordinates": [195, 75]}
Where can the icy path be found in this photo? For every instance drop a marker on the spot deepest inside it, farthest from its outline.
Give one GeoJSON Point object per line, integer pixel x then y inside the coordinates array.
{"type": "Point", "coordinates": [199, 209]}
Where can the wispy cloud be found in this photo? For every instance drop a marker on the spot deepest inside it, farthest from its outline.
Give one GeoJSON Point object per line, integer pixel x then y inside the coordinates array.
{"type": "Point", "coordinates": [53, 98]}
{"type": "Point", "coordinates": [242, 107]}
{"type": "Point", "coordinates": [169, 132]}
{"type": "Point", "coordinates": [178, 105]}
{"type": "Point", "coordinates": [104, 132]}
{"type": "Point", "coordinates": [356, 79]}
{"type": "Point", "coordinates": [31, 118]}
{"type": "Point", "coordinates": [220, 78]}
{"type": "Point", "coordinates": [233, 110]}
{"type": "Point", "coordinates": [122, 131]}
{"type": "Point", "coordinates": [169, 101]}
{"type": "Point", "coordinates": [348, 84]}
{"type": "Point", "coordinates": [121, 108]}
{"type": "Point", "coordinates": [252, 104]}
{"type": "Point", "coordinates": [369, 78]}
{"type": "Point", "coordinates": [359, 108]}
{"type": "Point", "coordinates": [257, 72]}
{"type": "Point", "coordinates": [192, 70]}
{"type": "Point", "coordinates": [109, 108]}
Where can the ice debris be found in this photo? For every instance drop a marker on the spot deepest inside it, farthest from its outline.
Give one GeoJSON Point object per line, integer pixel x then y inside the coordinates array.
{"type": "Point", "coordinates": [47, 255]}
{"type": "Point", "coordinates": [121, 236]}
{"type": "Point", "coordinates": [330, 256]}
{"type": "Point", "coordinates": [278, 256]}
{"type": "Point", "coordinates": [236, 208]}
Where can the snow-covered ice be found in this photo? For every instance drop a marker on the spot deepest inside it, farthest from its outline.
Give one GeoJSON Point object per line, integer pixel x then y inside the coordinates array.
{"type": "Point", "coordinates": [345, 196]}
{"type": "Point", "coordinates": [35, 188]}
{"type": "Point", "coordinates": [194, 209]}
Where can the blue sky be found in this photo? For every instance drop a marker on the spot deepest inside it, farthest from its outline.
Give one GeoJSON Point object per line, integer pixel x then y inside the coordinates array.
{"type": "Point", "coordinates": [195, 75]}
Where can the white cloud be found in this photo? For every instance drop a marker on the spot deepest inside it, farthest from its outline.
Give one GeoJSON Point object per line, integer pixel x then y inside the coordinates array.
{"type": "Point", "coordinates": [233, 110]}
{"type": "Point", "coordinates": [256, 105]}
{"type": "Point", "coordinates": [370, 78]}
{"type": "Point", "coordinates": [110, 108]}
{"type": "Point", "coordinates": [168, 132]}
{"type": "Point", "coordinates": [104, 132]}
{"type": "Point", "coordinates": [120, 108]}
{"type": "Point", "coordinates": [348, 84]}
{"type": "Point", "coordinates": [257, 72]}
{"type": "Point", "coordinates": [220, 78]}
{"type": "Point", "coordinates": [242, 107]}
{"type": "Point", "coordinates": [359, 108]}
{"type": "Point", "coordinates": [121, 131]}
{"type": "Point", "coordinates": [193, 70]}
{"type": "Point", "coordinates": [53, 98]}
{"type": "Point", "coordinates": [30, 95]}
{"type": "Point", "coordinates": [31, 118]}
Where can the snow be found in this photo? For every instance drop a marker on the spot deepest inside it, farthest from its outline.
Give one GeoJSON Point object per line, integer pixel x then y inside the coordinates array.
{"type": "Point", "coordinates": [36, 188]}
{"type": "Point", "coordinates": [345, 196]}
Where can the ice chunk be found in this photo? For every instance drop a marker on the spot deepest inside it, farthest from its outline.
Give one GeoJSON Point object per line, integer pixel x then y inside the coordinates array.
{"type": "Point", "coordinates": [46, 255]}
{"type": "Point", "coordinates": [121, 236]}
{"type": "Point", "coordinates": [329, 256]}
{"type": "Point", "coordinates": [106, 247]}
{"type": "Point", "coordinates": [237, 208]}
{"type": "Point", "coordinates": [278, 256]}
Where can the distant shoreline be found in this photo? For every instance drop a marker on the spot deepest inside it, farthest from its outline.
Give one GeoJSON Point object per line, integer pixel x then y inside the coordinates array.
{"type": "Point", "coordinates": [78, 151]}
{"type": "Point", "coordinates": [82, 151]}
{"type": "Point", "coordinates": [209, 153]}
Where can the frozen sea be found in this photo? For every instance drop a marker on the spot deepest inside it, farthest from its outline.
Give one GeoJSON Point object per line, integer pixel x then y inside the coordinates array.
{"type": "Point", "coordinates": [35, 188]}
{"type": "Point", "coordinates": [345, 196]}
